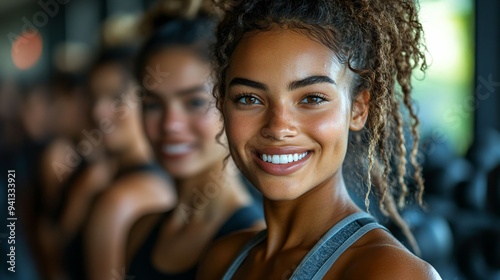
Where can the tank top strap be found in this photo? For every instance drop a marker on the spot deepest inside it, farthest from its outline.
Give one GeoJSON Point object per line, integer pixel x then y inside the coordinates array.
{"type": "Point", "coordinates": [258, 238]}
{"type": "Point", "coordinates": [328, 249]}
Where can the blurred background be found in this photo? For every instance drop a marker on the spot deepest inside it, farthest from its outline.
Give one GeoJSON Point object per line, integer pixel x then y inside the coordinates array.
{"type": "Point", "coordinates": [458, 102]}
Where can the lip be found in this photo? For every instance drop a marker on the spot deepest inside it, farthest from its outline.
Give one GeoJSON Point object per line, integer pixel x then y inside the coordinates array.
{"type": "Point", "coordinates": [280, 169]}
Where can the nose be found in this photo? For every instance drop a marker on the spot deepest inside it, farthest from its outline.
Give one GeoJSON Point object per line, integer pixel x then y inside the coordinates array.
{"type": "Point", "coordinates": [174, 119]}
{"type": "Point", "coordinates": [280, 123]}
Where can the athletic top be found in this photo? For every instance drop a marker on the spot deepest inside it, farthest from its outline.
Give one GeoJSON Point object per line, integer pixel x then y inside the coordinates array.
{"type": "Point", "coordinates": [146, 167]}
{"type": "Point", "coordinates": [142, 267]}
{"type": "Point", "coordinates": [73, 259]}
{"type": "Point", "coordinates": [323, 255]}
{"type": "Point", "coordinates": [66, 188]}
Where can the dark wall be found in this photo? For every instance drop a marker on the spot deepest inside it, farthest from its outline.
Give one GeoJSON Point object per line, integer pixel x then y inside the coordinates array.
{"type": "Point", "coordinates": [487, 78]}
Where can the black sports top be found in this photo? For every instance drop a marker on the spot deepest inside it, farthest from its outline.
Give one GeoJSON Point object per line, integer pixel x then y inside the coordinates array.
{"type": "Point", "coordinates": [141, 266]}
{"type": "Point", "coordinates": [66, 189]}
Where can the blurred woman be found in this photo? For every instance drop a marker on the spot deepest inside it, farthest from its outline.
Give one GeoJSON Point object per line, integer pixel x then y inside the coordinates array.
{"type": "Point", "coordinates": [139, 187]}
{"type": "Point", "coordinates": [182, 124]}
{"type": "Point", "coordinates": [71, 173]}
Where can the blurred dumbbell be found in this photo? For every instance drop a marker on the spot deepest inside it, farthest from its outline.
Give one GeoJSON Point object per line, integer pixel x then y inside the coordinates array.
{"type": "Point", "coordinates": [472, 193]}
{"type": "Point", "coordinates": [485, 153]}
{"type": "Point", "coordinates": [479, 256]}
{"type": "Point", "coordinates": [443, 180]}
{"type": "Point", "coordinates": [436, 153]}
{"type": "Point", "coordinates": [494, 190]}
{"type": "Point", "coordinates": [432, 233]}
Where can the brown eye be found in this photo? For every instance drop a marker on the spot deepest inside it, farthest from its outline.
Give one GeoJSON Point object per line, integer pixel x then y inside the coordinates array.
{"type": "Point", "coordinates": [248, 100]}
{"type": "Point", "coordinates": [313, 99]}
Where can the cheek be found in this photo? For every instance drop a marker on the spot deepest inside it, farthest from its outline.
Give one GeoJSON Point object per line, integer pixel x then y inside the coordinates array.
{"type": "Point", "coordinates": [331, 133]}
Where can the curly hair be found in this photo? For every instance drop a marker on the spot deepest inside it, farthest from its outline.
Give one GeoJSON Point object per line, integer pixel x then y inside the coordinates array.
{"type": "Point", "coordinates": [381, 42]}
{"type": "Point", "coordinates": [164, 11]}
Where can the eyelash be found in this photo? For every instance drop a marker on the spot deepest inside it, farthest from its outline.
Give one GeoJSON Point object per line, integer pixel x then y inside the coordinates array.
{"type": "Point", "coordinates": [316, 94]}
{"type": "Point", "coordinates": [236, 99]}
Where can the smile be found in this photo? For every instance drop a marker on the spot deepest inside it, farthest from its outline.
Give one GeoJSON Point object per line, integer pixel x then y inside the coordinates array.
{"type": "Point", "coordinates": [283, 159]}
{"type": "Point", "coordinates": [176, 149]}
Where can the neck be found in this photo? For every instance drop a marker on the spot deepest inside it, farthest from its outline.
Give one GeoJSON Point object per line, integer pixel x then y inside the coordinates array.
{"type": "Point", "coordinates": [301, 222]}
{"type": "Point", "coordinates": [138, 152]}
{"type": "Point", "coordinates": [211, 192]}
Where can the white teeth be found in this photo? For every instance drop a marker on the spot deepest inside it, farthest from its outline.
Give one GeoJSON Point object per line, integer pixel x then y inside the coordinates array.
{"type": "Point", "coordinates": [283, 159]}
{"type": "Point", "coordinates": [276, 159]}
{"type": "Point", "coordinates": [176, 149]}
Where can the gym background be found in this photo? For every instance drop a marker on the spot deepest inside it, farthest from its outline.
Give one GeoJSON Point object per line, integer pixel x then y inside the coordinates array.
{"type": "Point", "coordinates": [458, 101]}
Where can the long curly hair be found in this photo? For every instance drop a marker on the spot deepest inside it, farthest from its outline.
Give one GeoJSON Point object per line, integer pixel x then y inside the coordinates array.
{"type": "Point", "coordinates": [381, 42]}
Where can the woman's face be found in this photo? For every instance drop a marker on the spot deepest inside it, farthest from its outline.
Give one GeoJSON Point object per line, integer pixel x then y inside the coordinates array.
{"type": "Point", "coordinates": [180, 116]}
{"type": "Point", "coordinates": [114, 104]}
{"type": "Point", "coordinates": [287, 112]}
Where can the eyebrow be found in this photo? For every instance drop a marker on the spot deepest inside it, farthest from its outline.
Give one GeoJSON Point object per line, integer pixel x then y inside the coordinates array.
{"type": "Point", "coordinates": [292, 86]}
{"type": "Point", "coordinates": [192, 90]}
{"type": "Point", "coordinates": [310, 81]}
{"type": "Point", "coordinates": [180, 93]}
{"type": "Point", "coordinates": [248, 83]}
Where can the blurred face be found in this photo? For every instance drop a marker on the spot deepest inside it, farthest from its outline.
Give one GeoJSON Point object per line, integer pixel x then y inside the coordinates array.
{"type": "Point", "coordinates": [180, 118]}
{"type": "Point", "coordinates": [113, 102]}
{"type": "Point", "coordinates": [287, 113]}
{"type": "Point", "coordinates": [71, 113]}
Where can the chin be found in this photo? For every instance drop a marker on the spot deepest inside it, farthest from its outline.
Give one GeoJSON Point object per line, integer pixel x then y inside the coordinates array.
{"type": "Point", "coordinates": [180, 171]}
{"type": "Point", "coordinates": [281, 189]}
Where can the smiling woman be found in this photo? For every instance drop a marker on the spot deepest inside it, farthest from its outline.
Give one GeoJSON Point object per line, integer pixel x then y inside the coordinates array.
{"type": "Point", "coordinates": [301, 85]}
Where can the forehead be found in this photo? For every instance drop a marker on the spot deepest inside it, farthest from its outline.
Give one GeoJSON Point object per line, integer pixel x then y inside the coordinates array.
{"type": "Point", "coordinates": [285, 51]}
{"type": "Point", "coordinates": [175, 69]}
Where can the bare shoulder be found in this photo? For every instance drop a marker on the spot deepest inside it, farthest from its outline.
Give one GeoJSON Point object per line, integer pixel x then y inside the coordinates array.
{"type": "Point", "coordinates": [53, 163]}
{"type": "Point", "coordinates": [144, 184]}
{"type": "Point", "coordinates": [222, 252]}
{"type": "Point", "coordinates": [128, 199]}
{"type": "Point", "coordinates": [137, 191]}
{"type": "Point", "coordinates": [383, 257]}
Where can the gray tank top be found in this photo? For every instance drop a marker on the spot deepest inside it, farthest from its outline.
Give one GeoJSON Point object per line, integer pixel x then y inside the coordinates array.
{"type": "Point", "coordinates": [327, 250]}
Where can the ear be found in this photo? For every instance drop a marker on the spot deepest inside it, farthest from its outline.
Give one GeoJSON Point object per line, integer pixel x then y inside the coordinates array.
{"type": "Point", "coordinates": [359, 110]}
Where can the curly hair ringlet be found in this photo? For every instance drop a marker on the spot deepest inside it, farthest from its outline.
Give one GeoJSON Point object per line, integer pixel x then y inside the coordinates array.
{"type": "Point", "coordinates": [381, 42]}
